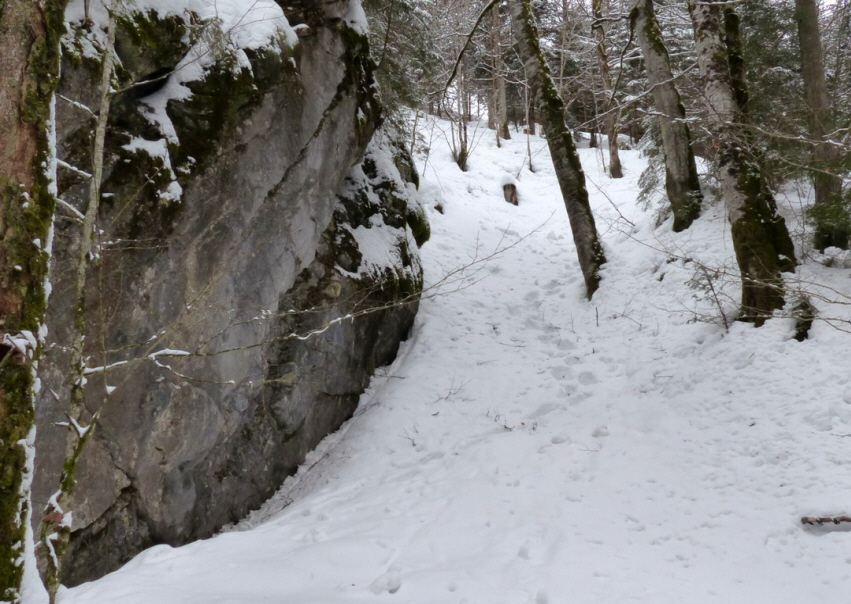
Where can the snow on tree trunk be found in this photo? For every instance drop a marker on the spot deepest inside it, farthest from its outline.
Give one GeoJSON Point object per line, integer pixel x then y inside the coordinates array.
{"type": "Point", "coordinates": [29, 62]}
{"type": "Point", "coordinates": [681, 182]}
{"type": "Point", "coordinates": [760, 238]}
{"type": "Point", "coordinates": [571, 179]}
{"type": "Point", "coordinates": [831, 218]}
{"type": "Point", "coordinates": [611, 117]}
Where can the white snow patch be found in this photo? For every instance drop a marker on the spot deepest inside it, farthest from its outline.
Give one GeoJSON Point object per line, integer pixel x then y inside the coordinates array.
{"type": "Point", "coordinates": [528, 443]}
{"type": "Point", "coordinates": [232, 27]}
{"type": "Point", "coordinates": [158, 149]}
{"type": "Point", "coordinates": [378, 244]}
{"type": "Point", "coordinates": [356, 17]}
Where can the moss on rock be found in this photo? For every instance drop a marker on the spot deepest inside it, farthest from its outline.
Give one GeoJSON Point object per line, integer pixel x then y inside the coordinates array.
{"type": "Point", "coordinates": [27, 210]}
{"type": "Point", "coordinates": [149, 45]}
{"type": "Point", "coordinates": [418, 223]}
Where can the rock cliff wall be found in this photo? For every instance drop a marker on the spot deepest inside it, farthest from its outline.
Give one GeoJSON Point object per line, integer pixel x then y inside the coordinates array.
{"type": "Point", "coordinates": [240, 221]}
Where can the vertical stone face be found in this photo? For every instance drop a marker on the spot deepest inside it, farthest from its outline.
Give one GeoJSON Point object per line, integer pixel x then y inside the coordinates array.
{"type": "Point", "coordinates": [681, 182]}
{"type": "Point", "coordinates": [189, 442]}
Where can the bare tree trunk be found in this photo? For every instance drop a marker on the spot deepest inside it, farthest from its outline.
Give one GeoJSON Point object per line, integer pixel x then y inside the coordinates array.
{"type": "Point", "coordinates": [592, 131]}
{"type": "Point", "coordinates": [760, 238]}
{"type": "Point", "coordinates": [492, 109]}
{"type": "Point", "coordinates": [498, 97]}
{"type": "Point", "coordinates": [529, 131]}
{"type": "Point", "coordinates": [460, 148]}
{"type": "Point", "coordinates": [55, 533]}
{"type": "Point", "coordinates": [531, 124]}
{"type": "Point", "coordinates": [562, 61]}
{"type": "Point", "coordinates": [29, 64]}
{"type": "Point", "coordinates": [681, 182]}
{"type": "Point", "coordinates": [615, 170]}
{"type": "Point", "coordinates": [571, 179]}
{"type": "Point", "coordinates": [841, 48]}
{"type": "Point", "coordinates": [502, 109]}
{"type": "Point", "coordinates": [831, 230]}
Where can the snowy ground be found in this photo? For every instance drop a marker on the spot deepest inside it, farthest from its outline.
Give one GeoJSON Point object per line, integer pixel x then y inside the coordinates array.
{"type": "Point", "coordinates": [529, 446]}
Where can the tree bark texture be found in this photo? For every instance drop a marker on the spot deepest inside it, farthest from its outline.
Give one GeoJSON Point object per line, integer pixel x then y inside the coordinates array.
{"type": "Point", "coordinates": [29, 67]}
{"type": "Point", "coordinates": [760, 238]}
{"type": "Point", "coordinates": [568, 170]}
{"type": "Point", "coordinates": [615, 169]}
{"type": "Point", "coordinates": [828, 187]}
{"type": "Point", "coordinates": [681, 182]}
{"type": "Point", "coordinates": [500, 105]}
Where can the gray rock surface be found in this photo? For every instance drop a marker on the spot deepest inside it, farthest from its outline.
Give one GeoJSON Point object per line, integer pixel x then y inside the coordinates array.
{"type": "Point", "coordinates": [259, 247]}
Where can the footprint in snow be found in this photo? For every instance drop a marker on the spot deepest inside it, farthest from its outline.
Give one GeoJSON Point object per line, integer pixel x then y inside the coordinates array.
{"type": "Point", "coordinates": [564, 344]}
{"type": "Point", "coordinates": [389, 582]}
{"type": "Point", "coordinates": [600, 431]}
{"type": "Point", "coordinates": [544, 409]}
{"type": "Point", "coordinates": [561, 373]}
{"type": "Point", "coordinates": [587, 378]}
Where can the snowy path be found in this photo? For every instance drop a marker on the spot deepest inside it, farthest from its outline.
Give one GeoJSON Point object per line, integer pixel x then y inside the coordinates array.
{"type": "Point", "coordinates": [528, 446]}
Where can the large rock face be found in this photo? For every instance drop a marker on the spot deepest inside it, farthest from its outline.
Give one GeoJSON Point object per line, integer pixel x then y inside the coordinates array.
{"type": "Point", "coordinates": [235, 231]}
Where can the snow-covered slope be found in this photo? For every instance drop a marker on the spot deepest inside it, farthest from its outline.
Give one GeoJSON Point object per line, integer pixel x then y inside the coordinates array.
{"type": "Point", "coordinates": [531, 446]}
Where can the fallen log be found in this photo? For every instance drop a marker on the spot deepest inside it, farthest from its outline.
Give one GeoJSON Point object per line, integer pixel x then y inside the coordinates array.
{"type": "Point", "coordinates": [818, 521]}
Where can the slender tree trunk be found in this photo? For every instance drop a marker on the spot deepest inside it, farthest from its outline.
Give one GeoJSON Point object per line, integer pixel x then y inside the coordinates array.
{"type": "Point", "coordinates": [562, 60]}
{"type": "Point", "coordinates": [760, 238]}
{"type": "Point", "coordinates": [843, 41]}
{"type": "Point", "coordinates": [531, 122]}
{"type": "Point", "coordinates": [29, 64]}
{"type": "Point", "coordinates": [492, 109]}
{"type": "Point", "coordinates": [831, 229]}
{"type": "Point", "coordinates": [460, 150]}
{"type": "Point", "coordinates": [615, 170]}
{"type": "Point", "coordinates": [681, 182]}
{"type": "Point", "coordinates": [529, 131]}
{"type": "Point", "coordinates": [527, 107]}
{"type": "Point", "coordinates": [571, 179]}
{"type": "Point", "coordinates": [498, 98]}
{"type": "Point", "coordinates": [592, 131]}
{"type": "Point", "coordinates": [502, 110]}
{"type": "Point", "coordinates": [55, 533]}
